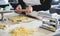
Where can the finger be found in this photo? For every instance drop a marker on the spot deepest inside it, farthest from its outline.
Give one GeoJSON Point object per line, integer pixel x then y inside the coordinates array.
{"type": "Point", "coordinates": [29, 11]}
{"type": "Point", "coordinates": [19, 7]}
{"type": "Point", "coordinates": [19, 12]}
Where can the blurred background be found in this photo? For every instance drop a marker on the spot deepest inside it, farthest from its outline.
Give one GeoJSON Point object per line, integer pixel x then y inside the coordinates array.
{"type": "Point", "coordinates": [55, 5]}
{"type": "Point", "coordinates": [53, 8]}
{"type": "Point", "coordinates": [55, 2]}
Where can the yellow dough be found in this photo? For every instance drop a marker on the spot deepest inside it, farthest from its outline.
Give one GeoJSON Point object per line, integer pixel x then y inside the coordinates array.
{"type": "Point", "coordinates": [17, 19]}
{"type": "Point", "coordinates": [51, 27]}
{"type": "Point", "coordinates": [21, 31]}
{"type": "Point", "coordinates": [3, 27]}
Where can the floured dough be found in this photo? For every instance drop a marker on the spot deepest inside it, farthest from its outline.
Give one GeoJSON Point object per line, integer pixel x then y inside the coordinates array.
{"type": "Point", "coordinates": [17, 19]}
{"type": "Point", "coordinates": [21, 31]}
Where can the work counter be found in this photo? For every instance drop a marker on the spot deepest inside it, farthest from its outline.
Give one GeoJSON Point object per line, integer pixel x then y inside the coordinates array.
{"type": "Point", "coordinates": [32, 24]}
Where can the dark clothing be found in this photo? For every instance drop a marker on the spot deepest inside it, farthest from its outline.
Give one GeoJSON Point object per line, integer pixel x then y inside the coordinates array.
{"type": "Point", "coordinates": [44, 5]}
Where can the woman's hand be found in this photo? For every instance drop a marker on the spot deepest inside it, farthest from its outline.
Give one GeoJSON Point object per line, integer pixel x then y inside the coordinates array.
{"type": "Point", "coordinates": [28, 9]}
{"type": "Point", "coordinates": [19, 9]}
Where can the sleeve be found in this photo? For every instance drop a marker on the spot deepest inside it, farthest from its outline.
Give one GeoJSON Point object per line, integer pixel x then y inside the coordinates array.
{"type": "Point", "coordinates": [14, 5]}
{"type": "Point", "coordinates": [44, 5]}
{"type": "Point", "coordinates": [22, 3]}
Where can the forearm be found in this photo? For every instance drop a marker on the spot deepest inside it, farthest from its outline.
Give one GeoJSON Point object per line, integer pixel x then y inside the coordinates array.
{"type": "Point", "coordinates": [44, 6]}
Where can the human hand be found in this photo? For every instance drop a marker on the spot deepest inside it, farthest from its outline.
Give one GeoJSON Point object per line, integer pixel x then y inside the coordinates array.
{"type": "Point", "coordinates": [28, 9]}
{"type": "Point", "coordinates": [19, 9]}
